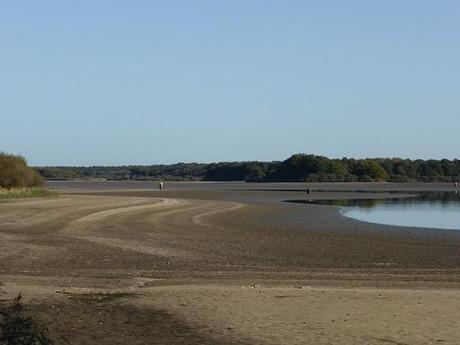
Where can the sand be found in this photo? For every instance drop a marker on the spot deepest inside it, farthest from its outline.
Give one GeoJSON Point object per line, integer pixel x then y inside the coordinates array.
{"type": "Point", "coordinates": [226, 264]}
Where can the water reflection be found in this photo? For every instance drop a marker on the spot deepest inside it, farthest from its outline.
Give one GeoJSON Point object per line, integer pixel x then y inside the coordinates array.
{"type": "Point", "coordinates": [427, 209]}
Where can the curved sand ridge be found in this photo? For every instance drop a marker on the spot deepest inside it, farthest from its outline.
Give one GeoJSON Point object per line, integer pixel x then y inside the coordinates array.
{"type": "Point", "coordinates": [128, 223]}
{"type": "Point", "coordinates": [86, 227]}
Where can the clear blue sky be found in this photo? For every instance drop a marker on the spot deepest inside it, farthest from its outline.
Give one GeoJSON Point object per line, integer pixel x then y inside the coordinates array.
{"type": "Point", "coordinates": [140, 82]}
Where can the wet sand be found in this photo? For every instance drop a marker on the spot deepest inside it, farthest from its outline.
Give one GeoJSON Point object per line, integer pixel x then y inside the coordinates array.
{"type": "Point", "coordinates": [227, 263]}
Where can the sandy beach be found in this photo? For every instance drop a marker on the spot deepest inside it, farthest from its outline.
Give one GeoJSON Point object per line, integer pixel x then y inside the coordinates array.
{"type": "Point", "coordinates": [227, 263]}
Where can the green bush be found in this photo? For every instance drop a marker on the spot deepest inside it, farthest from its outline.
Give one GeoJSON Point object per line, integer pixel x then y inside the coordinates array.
{"type": "Point", "coordinates": [14, 173]}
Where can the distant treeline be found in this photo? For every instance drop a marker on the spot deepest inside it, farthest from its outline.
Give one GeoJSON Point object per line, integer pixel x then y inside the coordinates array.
{"type": "Point", "coordinates": [299, 167]}
{"type": "Point", "coordinates": [14, 173]}
{"type": "Point", "coordinates": [179, 171]}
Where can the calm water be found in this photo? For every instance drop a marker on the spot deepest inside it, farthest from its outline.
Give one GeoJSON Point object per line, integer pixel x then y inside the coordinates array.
{"type": "Point", "coordinates": [429, 210]}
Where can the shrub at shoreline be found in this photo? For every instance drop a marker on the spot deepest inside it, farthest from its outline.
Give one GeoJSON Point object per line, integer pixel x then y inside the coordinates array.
{"type": "Point", "coordinates": [17, 180]}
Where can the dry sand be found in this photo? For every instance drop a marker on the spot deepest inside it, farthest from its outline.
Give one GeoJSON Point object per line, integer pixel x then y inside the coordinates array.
{"type": "Point", "coordinates": [225, 267]}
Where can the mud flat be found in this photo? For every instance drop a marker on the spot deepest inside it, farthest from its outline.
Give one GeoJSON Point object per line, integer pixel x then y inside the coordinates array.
{"type": "Point", "coordinates": [227, 263]}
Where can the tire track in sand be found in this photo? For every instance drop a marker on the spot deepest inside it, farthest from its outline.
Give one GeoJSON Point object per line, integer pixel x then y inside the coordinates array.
{"type": "Point", "coordinates": [152, 226]}
{"type": "Point", "coordinates": [83, 228]}
{"type": "Point", "coordinates": [165, 215]}
{"type": "Point", "coordinates": [100, 215]}
{"type": "Point", "coordinates": [199, 219]}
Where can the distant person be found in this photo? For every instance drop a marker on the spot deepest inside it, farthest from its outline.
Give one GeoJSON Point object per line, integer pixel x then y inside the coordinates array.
{"type": "Point", "coordinates": [455, 184]}
{"type": "Point", "coordinates": [308, 190]}
{"type": "Point", "coordinates": [160, 185]}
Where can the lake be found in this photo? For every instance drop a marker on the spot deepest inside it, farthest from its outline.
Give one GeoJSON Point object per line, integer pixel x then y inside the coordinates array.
{"type": "Point", "coordinates": [427, 210]}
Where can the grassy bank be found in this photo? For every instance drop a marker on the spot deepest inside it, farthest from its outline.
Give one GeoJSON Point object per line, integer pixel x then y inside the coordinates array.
{"type": "Point", "coordinates": [33, 192]}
